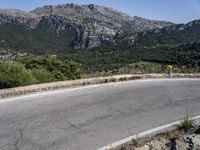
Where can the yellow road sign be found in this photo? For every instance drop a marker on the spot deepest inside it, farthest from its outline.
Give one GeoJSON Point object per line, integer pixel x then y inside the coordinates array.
{"type": "Point", "coordinates": [169, 68]}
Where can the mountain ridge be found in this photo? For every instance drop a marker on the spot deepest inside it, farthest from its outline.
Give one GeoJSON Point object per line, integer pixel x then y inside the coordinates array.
{"type": "Point", "coordinates": [73, 26]}
{"type": "Point", "coordinates": [98, 38]}
{"type": "Point", "coordinates": [93, 25]}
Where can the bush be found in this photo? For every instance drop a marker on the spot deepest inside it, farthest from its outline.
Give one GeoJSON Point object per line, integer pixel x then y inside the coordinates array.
{"type": "Point", "coordinates": [48, 68]}
{"type": "Point", "coordinates": [13, 74]}
{"type": "Point", "coordinates": [32, 70]}
{"type": "Point", "coordinates": [42, 75]}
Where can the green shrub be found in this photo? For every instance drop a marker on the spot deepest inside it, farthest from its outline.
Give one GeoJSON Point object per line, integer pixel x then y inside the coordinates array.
{"type": "Point", "coordinates": [32, 70]}
{"type": "Point", "coordinates": [43, 76]}
{"type": "Point", "coordinates": [13, 74]}
{"type": "Point", "coordinates": [51, 68]}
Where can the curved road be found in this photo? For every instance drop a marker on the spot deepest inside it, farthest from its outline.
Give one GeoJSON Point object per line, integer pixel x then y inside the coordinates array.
{"type": "Point", "coordinates": [90, 117]}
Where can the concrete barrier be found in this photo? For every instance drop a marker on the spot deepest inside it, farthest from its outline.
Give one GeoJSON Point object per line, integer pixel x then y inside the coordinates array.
{"type": "Point", "coordinates": [74, 83]}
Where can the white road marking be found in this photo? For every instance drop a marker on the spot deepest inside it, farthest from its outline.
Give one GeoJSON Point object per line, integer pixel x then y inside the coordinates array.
{"type": "Point", "coordinates": [46, 93]}
{"type": "Point", "coordinates": [142, 134]}
{"type": "Point", "coordinates": [85, 87]}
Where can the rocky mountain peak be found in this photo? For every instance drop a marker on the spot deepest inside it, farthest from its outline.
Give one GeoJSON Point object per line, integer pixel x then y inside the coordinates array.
{"type": "Point", "coordinates": [16, 16]}
{"type": "Point", "coordinates": [92, 25]}
{"type": "Point", "coordinates": [86, 11]}
{"type": "Point", "coordinates": [194, 22]}
{"type": "Point", "coordinates": [16, 13]}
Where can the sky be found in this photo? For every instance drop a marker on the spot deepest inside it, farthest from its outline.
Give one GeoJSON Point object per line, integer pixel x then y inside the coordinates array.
{"type": "Point", "coordinates": [177, 11]}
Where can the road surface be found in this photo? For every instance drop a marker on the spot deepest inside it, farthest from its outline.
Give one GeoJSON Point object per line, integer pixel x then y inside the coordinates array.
{"type": "Point", "coordinates": [91, 117]}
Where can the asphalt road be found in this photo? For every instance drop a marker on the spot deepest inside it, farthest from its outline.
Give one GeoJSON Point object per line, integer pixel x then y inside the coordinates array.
{"type": "Point", "coordinates": [91, 117]}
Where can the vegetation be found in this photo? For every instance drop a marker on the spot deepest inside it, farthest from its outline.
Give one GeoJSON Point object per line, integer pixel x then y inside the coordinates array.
{"type": "Point", "coordinates": [137, 141]}
{"type": "Point", "coordinates": [14, 74]}
{"type": "Point", "coordinates": [175, 34]}
{"type": "Point", "coordinates": [32, 70]}
{"type": "Point", "coordinates": [121, 59]}
{"type": "Point", "coordinates": [151, 52]}
{"type": "Point", "coordinates": [51, 67]}
{"type": "Point", "coordinates": [186, 124]}
{"type": "Point", "coordinates": [41, 40]}
{"type": "Point", "coordinates": [102, 61]}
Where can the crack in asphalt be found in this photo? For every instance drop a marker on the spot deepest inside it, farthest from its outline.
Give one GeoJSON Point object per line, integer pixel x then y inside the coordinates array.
{"type": "Point", "coordinates": [170, 101]}
{"type": "Point", "coordinates": [91, 121]}
{"type": "Point", "coordinates": [88, 119]}
{"type": "Point", "coordinates": [16, 144]}
{"type": "Point", "coordinates": [114, 109]}
{"type": "Point", "coordinates": [173, 103]}
{"type": "Point", "coordinates": [20, 137]}
{"type": "Point", "coordinates": [73, 125]}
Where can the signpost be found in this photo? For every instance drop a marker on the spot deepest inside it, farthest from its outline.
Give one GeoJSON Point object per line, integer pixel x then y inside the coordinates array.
{"type": "Point", "coordinates": [169, 69]}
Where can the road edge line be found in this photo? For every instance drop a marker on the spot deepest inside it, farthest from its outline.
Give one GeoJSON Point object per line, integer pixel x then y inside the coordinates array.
{"type": "Point", "coordinates": [142, 134]}
{"type": "Point", "coordinates": [43, 93]}
{"type": "Point", "coordinates": [4, 93]}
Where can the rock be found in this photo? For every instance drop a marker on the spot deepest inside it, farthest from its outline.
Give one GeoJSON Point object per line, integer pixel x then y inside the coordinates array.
{"type": "Point", "coordinates": [193, 140]}
{"type": "Point", "coordinates": [145, 147]}
{"type": "Point", "coordinates": [93, 25]}
{"type": "Point", "coordinates": [88, 26]}
{"type": "Point", "coordinates": [181, 145]}
{"type": "Point", "coordinates": [161, 144]}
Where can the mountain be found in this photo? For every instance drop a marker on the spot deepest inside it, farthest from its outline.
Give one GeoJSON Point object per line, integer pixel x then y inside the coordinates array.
{"type": "Point", "coordinates": [62, 28]}
{"type": "Point", "coordinates": [100, 15]}
{"type": "Point", "coordinates": [174, 34]}
{"type": "Point", "coordinates": [70, 26]}
{"type": "Point", "coordinates": [98, 38]}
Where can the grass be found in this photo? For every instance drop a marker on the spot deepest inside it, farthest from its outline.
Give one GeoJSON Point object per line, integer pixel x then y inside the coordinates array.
{"type": "Point", "coordinates": [186, 124]}
{"type": "Point", "coordinates": [137, 141]}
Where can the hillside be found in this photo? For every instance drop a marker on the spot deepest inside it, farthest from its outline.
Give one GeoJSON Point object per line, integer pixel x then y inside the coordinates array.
{"type": "Point", "coordinates": [69, 26]}
{"type": "Point", "coordinates": [175, 34]}
{"type": "Point", "coordinates": [184, 57]}
{"type": "Point", "coordinates": [97, 37]}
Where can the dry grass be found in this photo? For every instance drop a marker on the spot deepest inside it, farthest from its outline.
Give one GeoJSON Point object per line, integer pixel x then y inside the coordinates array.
{"type": "Point", "coordinates": [186, 124]}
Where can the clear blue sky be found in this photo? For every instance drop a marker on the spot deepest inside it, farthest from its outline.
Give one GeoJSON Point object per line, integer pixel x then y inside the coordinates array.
{"type": "Point", "coordinates": [178, 11]}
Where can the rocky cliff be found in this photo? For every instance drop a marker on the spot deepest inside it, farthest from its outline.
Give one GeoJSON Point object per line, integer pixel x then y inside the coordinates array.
{"type": "Point", "coordinates": [89, 25]}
